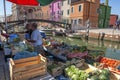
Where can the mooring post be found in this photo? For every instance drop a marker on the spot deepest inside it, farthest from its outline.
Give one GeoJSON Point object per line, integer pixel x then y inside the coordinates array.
{"type": "Point", "coordinates": [102, 37]}
{"type": "Point", "coordinates": [99, 36]}
{"type": "Point", "coordinates": [87, 31]}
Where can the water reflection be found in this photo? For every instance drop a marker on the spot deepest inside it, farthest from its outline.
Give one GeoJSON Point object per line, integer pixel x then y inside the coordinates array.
{"type": "Point", "coordinates": [92, 42]}
{"type": "Point", "coordinates": [110, 44]}
{"type": "Point", "coordinates": [112, 53]}
{"type": "Point", "coordinates": [112, 49]}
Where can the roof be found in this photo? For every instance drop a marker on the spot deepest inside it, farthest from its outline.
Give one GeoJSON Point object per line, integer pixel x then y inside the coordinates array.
{"type": "Point", "coordinates": [82, 1]}
{"type": "Point", "coordinates": [113, 15]}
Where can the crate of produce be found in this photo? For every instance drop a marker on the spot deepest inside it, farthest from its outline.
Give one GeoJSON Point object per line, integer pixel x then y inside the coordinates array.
{"type": "Point", "coordinates": [90, 73]}
{"type": "Point", "coordinates": [56, 69]}
{"type": "Point", "coordinates": [112, 64]}
{"type": "Point", "coordinates": [44, 77]}
{"type": "Point", "coordinates": [23, 69]}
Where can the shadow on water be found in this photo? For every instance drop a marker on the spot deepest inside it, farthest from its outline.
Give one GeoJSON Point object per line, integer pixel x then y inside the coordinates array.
{"type": "Point", "coordinates": [111, 49]}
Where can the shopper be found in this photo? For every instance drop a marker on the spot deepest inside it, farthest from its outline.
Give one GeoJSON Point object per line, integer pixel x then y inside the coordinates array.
{"type": "Point", "coordinates": [36, 39]}
{"type": "Point", "coordinates": [117, 24]}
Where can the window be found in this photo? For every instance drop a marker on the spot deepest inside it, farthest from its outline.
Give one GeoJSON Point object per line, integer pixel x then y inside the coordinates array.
{"type": "Point", "coordinates": [79, 21]}
{"type": "Point", "coordinates": [71, 20]}
{"type": "Point", "coordinates": [80, 8]}
{"type": "Point", "coordinates": [99, 11]}
{"type": "Point", "coordinates": [62, 3]}
{"type": "Point", "coordinates": [57, 12]}
{"type": "Point", "coordinates": [68, 1]}
{"type": "Point", "coordinates": [50, 6]}
{"type": "Point", "coordinates": [58, 5]}
{"type": "Point", "coordinates": [72, 10]}
{"type": "Point", "coordinates": [68, 12]}
{"type": "Point", "coordinates": [75, 21]}
{"type": "Point", "coordinates": [61, 12]}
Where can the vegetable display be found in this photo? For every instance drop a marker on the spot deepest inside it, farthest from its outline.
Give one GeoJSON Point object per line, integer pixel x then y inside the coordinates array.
{"type": "Point", "coordinates": [103, 74]}
{"type": "Point", "coordinates": [76, 74]}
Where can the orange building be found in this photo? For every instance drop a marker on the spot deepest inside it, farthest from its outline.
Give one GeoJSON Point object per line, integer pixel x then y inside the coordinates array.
{"type": "Point", "coordinates": [82, 10]}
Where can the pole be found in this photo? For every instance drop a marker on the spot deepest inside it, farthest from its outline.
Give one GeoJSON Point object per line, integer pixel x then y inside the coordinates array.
{"type": "Point", "coordinates": [4, 3]}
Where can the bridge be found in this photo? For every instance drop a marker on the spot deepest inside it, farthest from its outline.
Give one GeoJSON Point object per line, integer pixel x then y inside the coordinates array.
{"type": "Point", "coordinates": [17, 22]}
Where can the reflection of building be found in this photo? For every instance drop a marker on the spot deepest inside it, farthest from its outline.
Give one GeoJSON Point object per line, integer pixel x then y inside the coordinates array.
{"type": "Point", "coordinates": [82, 10]}
{"type": "Point", "coordinates": [65, 10]}
{"type": "Point", "coordinates": [104, 16]}
{"type": "Point", "coordinates": [55, 10]}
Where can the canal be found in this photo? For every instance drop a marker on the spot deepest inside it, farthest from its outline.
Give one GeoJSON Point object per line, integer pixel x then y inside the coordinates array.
{"type": "Point", "coordinates": [111, 49]}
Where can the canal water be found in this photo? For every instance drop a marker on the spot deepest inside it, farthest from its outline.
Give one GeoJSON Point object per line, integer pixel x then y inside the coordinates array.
{"type": "Point", "coordinates": [111, 49]}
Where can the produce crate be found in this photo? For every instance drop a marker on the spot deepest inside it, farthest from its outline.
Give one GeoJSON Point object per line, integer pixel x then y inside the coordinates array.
{"type": "Point", "coordinates": [24, 69]}
{"type": "Point", "coordinates": [111, 63]}
{"type": "Point", "coordinates": [56, 69]}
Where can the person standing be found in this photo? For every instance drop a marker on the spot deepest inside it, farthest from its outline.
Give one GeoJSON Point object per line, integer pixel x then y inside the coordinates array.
{"type": "Point", "coordinates": [117, 24]}
{"type": "Point", "coordinates": [36, 39]}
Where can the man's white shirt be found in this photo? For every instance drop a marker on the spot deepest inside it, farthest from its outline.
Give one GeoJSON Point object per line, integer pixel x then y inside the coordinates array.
{"type": "Point", "coordinates": [37, 37]}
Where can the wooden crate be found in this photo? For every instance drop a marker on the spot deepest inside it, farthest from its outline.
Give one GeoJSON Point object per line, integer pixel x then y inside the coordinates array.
{"type": "Point", "coordinates": [24, 69]}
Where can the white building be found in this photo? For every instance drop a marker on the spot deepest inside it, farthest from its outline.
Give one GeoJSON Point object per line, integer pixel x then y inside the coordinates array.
{"type": "Point", "coordinates": [2, 19]}
{"type": "Point", "coordinates": [65, 10]}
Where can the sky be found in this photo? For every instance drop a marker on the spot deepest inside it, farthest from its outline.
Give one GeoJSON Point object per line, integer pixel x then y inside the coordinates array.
{"type": "Point", "coordinates": [115, 4]}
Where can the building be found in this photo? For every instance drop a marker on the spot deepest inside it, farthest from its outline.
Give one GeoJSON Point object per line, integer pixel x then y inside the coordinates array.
{"type": "Point", "coordinates": [104, 16]}
{"type": "Point", "coordinates": [65, 10]}
{"type": "Point", "coordinates": [83, 10]}
{"type": "Point", "coordinates": [2, 18]}
{"type": "Point", "coordinates": [55, 10]}
{"type": "Point", "coordinates": [14, 12]}
{"type": "Point", "coordinates": [20, 12]}
{"type": "Point", "coordinates": [9, 18]}
{"type": "Point", "coordinates": [113, 19]}
{"type": "Point", "coordinates": [43, 13]}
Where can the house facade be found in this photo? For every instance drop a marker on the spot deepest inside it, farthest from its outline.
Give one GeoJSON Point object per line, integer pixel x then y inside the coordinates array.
{"type": "Point", "coordinates": [55, 10]}
{"type": "Point", "coordinates": [104, 16]}
{"type": "Point", "coordinates": [65, 10]}
{"type": "Point", "coordinates": [82, 10]}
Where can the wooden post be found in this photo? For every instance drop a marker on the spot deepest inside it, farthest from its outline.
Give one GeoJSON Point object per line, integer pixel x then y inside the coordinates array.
{"type": "Point", "coordinates": [87, 31]}
{"type": "Point", "coordinates": [102, 37]}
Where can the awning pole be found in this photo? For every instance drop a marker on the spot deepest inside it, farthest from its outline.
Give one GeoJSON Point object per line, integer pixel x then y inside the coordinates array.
{"type": "Point", "coordinates": [4, 2]}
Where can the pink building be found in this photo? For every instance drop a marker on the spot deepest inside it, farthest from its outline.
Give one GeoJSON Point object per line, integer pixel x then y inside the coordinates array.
{"type": "Point", "coordinates": [55, 10]}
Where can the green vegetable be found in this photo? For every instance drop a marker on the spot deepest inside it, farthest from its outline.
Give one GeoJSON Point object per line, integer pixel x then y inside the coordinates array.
{"type": "Point", "coordinates": [75, 74]}
{"type": "Point", "coordinates": [105, 72]}
{"type": "Point", "coordinates": [94, 78]}
{"type": "Point", "coordinates": [103, 77]}
{"type": "Point", "coordinates": [74, 77]}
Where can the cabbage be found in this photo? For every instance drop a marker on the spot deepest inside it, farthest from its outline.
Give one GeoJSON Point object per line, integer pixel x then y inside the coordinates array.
{"type": "Point", "coordinates": [105, 72]}
{"type": "Point", "coordinates": [94, 78]}
{"type": "Point", "coordinates": [103, 77]}
{"type": "Point", "coordinates": [74, 77]}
